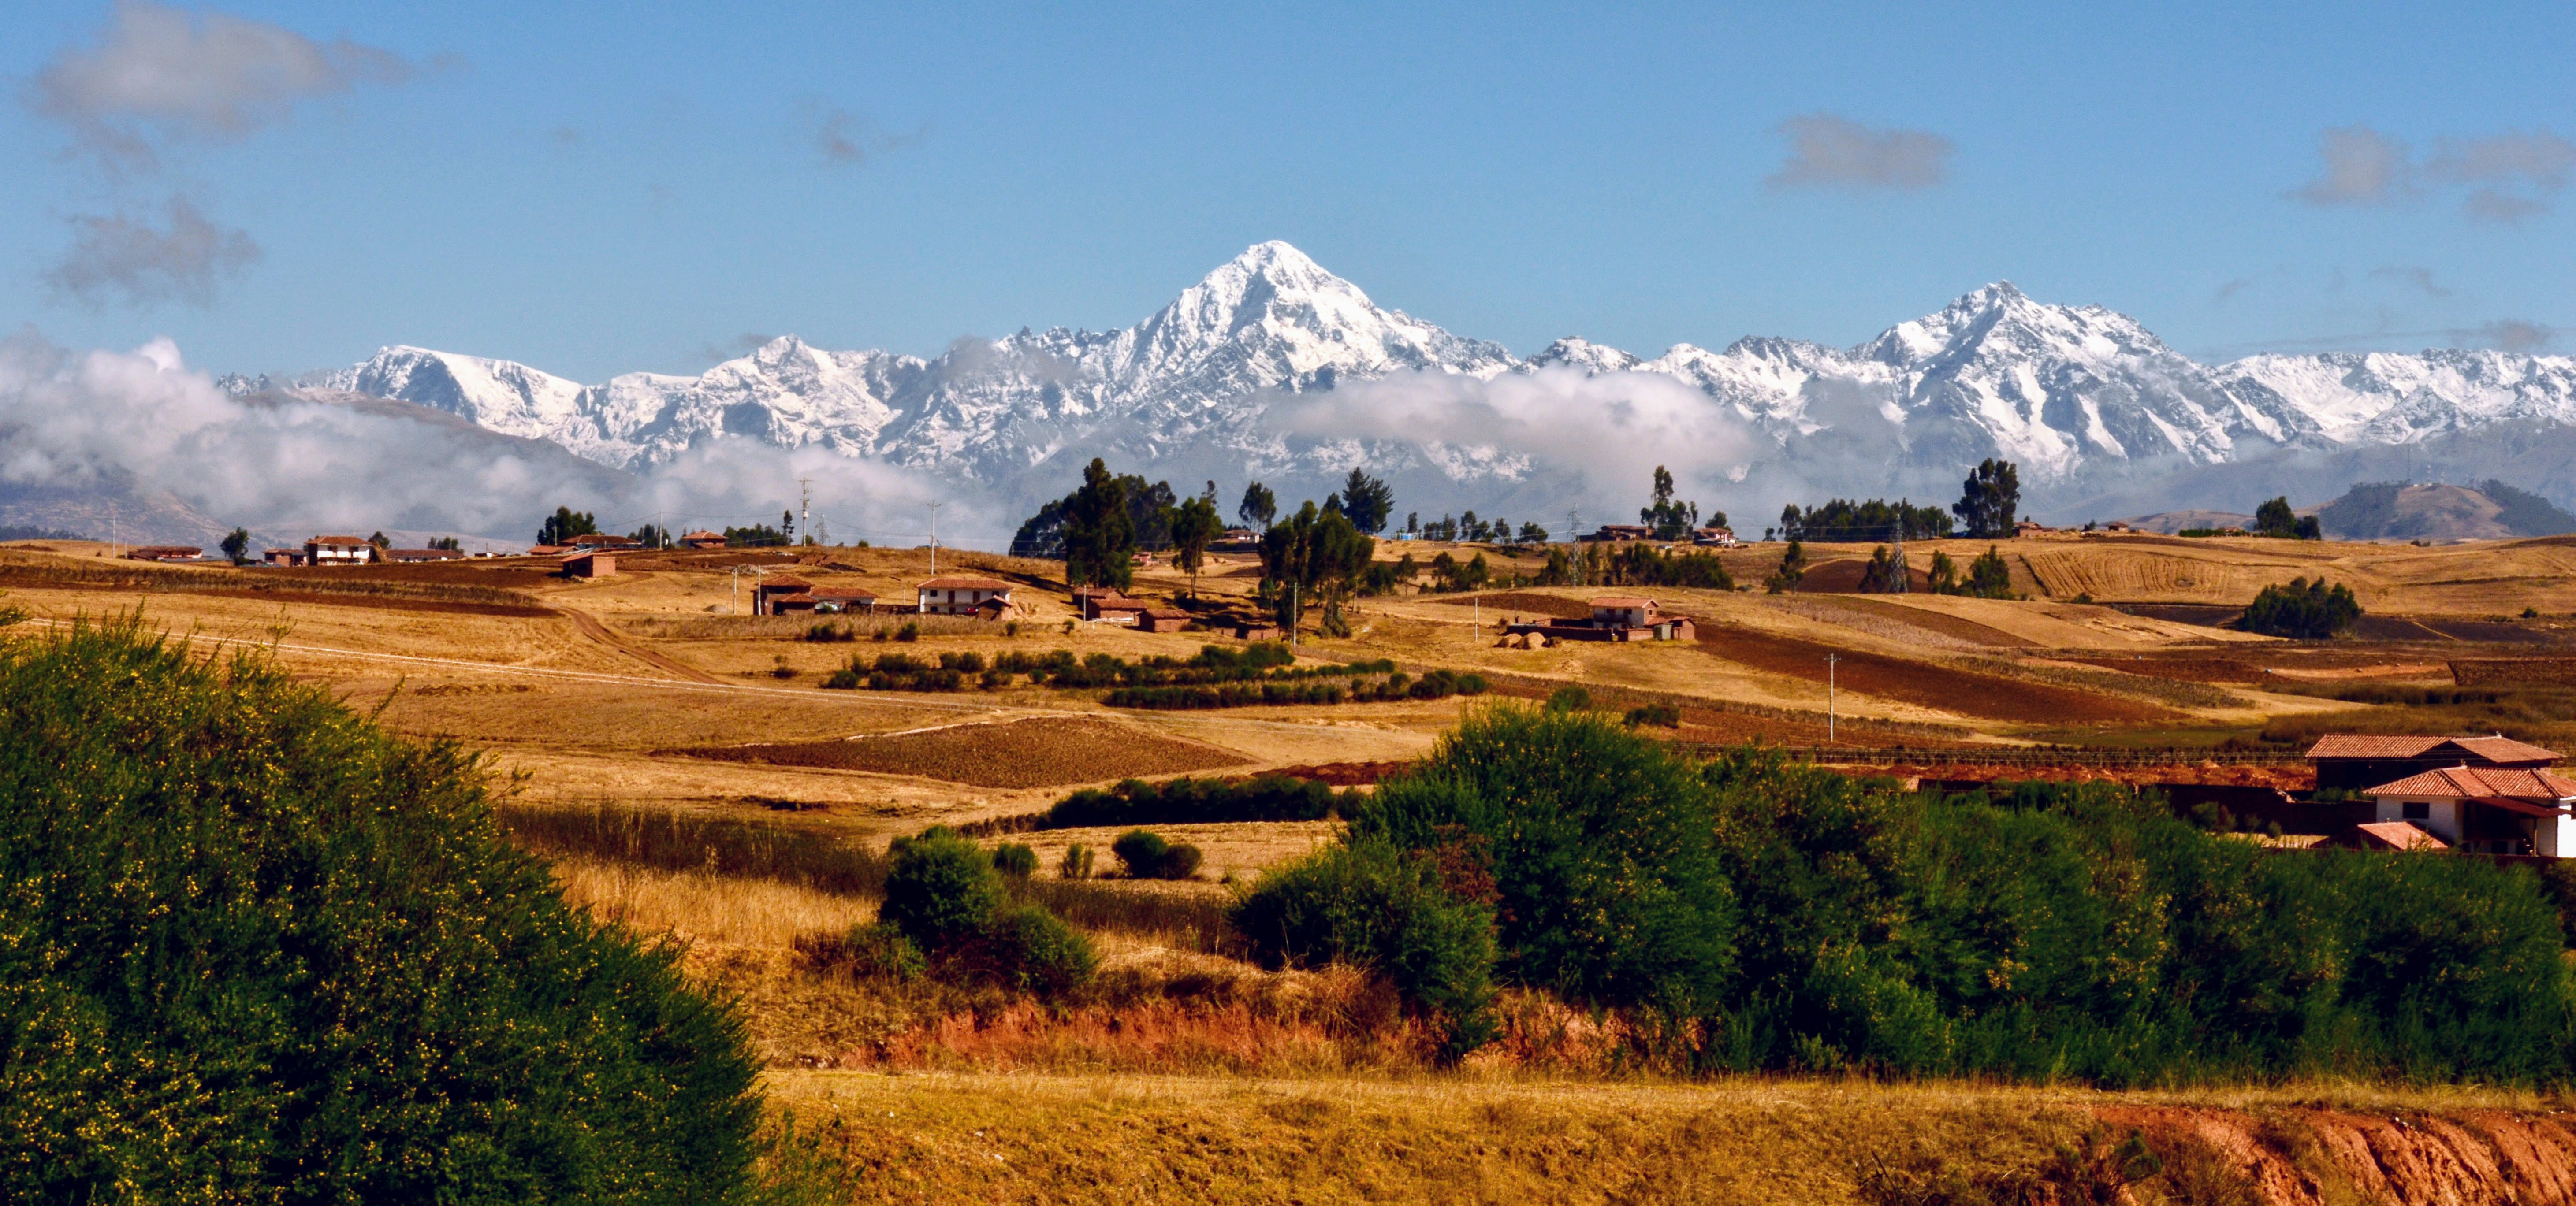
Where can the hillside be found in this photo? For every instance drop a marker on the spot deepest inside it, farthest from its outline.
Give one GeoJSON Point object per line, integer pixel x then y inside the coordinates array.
{"type": "Point", "coordinates": [2392, 511]}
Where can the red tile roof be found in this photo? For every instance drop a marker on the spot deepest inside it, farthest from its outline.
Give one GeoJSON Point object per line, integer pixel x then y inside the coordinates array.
{"type": "Point", "coordinates": [2481, 781]}
{"type": "Point", "coordinates": [2396, 835]}
{"type": "Point", "coordinates": [2496, 749]}
{"type": "Point", "coordinates": [964, 584]}
{"type": "Point", "coordinates": [338, 541]}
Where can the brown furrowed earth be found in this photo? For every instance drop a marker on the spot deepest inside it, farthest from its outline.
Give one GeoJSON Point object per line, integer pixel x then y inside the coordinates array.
{"type": "Point", "coordinates": [1966, 692]}
{"type": "Point", "coordinates": [1035, 752]}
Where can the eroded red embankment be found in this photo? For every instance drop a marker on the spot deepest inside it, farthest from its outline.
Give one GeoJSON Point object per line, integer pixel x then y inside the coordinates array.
{"type": "Point", "coordinates": [2314, 1157]}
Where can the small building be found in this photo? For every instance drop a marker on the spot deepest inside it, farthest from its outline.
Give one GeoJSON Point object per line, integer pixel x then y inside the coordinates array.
{"type": "Point", "coordinates": [2026, 527]}
{"type": "Point", "coordinates": [2116, 525]}
{"type": "Point", "coordinates": [800, 603]}
{"type": "Point", "coordinates": [284, 557]}
{"type": "Point", "coordinates": [959, 596]}
{"type": "Point", "coordinates": [703, 540]}
{"type": "Point", "coordinates": [406, 556]}
{"type": "Point", "coordinates": [843, 600]}
{"type": "Point", "coordinates": [338, 550]}
{"type": "Point", "coordinates": [1140, 559]}
{"type": "Point", "coordinates": [1715, 538]}
{"type": "Point", "coordinates": [549, 550]}
{"type": "Point", "coordinates": [1236, 540]}
{"type": "Point", "coordinates": [2357, 763]}
{"type": "Point", "coordinates": [1259, 632]}
{"type": "Point", "coordinates": [590, 565]}
{"type": "Point", "coordinates": [1610, 532]}
{"type": "Point", "coordinates": [770, 590]}
{"type": "Point", "coordinates": [2486, 810]}
{"type": "Point", "coordinates": [599, 542]}
{"type": "Point", "coordinates": [1100, 605]}
{"type": "Point", "coordinates": [2387, 835]}
{"type": "Point", "coordinates": [1614, 618]}
{"type": "Point", "coordinates": [165, 552]}
{"type": "Point", "coordinates": [1163, 619]}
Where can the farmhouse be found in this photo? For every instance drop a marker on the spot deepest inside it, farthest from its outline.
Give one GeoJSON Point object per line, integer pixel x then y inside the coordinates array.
{"type": "Point", "coordinates": [2485, 795]}
{"type": "Point", "coordinates": [1619, 531]}
{"type": "Point", "coordinates": [338, 550]}
{"type": "Point", "coordinates": [165, 552]}
{"type": "Point", "coordinates": [843, 600]}
{"type": "Point", "coordinates": [767, 597]}
{"type": "Point", "coordinates": [1715, 538]}
{"type": "Point", "coordinates": [404, 556]}
{"type": "Point", "coordinates": [1104, 605]}
{"type": "Point", "coordinates": [590, 565]}
{"type": "Point", "coordinates": [703, 540]}
{"type": "Point", "coordinates": [2359, 763]}
{"type": "Point", "coordinates": [956, 596]}
{"type": "Point", "coordinates": [1163, 619]}
{"type": "Point", "coordinates": [1615, 618]}
{"type": "Point", "coordinates": [284, 557]}
{"type": "Point", "coordinates": [596, 542]}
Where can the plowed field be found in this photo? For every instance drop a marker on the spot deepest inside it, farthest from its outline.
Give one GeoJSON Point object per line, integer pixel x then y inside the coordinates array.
{"type": "Point", "coordinates": [1036, 752]}
{"type": "Point", "coordinates": [1965, 692]}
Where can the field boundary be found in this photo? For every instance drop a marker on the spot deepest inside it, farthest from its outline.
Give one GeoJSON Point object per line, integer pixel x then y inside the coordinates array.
{"type": "Point", "coordinates": [2017, 755]}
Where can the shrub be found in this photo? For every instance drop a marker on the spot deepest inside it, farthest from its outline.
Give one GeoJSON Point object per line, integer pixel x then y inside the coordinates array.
{"type": "Point", "coordinates": [1375, 907]}
{"type": "Point", "coordinates": [1599, 846]}
{"type": "Point", "coordinates": [1015, 860]}
{"type": "Point", "coordinates": [1662, 716]}
{"type": "Point", "coordinates": [258, 949]}
{"type": "Point", "coordinates": [1188, 801]}
{"type": "Point", "coordinates": [1147, 856]}
{"type": "Point", "coordinates": [940, 890]}
{"type": "Point", "coordinates": [1076, 863]}
{"type": "Point", "coordinates": [911, 631]}
{"type": "Point", "coordinates": [2303, 610]}
{"type": "Point", "coordinates": [944, 895]}
{"type": "Point", "coordinates": [878, 950]}
{"type": "Point", "coordinates": [1569, 699]}
{"type": "Point", "coordinates": [1180, 861]}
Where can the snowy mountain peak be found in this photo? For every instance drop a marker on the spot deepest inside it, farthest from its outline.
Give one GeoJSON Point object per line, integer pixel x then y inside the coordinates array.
{"type": "Point", "coordinates": [1579, 353]}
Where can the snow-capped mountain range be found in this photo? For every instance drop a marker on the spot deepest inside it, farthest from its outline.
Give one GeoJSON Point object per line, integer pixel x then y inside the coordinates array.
{"type": "Point", "coordinates": [2072, 393]}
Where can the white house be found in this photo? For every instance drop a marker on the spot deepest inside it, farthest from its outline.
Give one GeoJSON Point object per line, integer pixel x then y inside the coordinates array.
{"type": "Point", "coordinates": [962, 596]}
{"type": "Point", "coordinates": [2486, 810]}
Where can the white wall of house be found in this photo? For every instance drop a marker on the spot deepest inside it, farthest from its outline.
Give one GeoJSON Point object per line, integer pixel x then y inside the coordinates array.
{"type": "Point", "coordinates": [2554, 837]}
{"type": "Point", "coordinates": [2441, 817]}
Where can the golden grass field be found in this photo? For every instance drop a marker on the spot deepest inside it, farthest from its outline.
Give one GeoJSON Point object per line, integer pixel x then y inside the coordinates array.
{"type": "Point", "coordinates": [1189, 1076]}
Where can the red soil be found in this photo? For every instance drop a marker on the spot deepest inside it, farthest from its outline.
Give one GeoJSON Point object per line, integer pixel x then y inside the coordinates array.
{"type": "Point", "coordinates": [1965, 692]}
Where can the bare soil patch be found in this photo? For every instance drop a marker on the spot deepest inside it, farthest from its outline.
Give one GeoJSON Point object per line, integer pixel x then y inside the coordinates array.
{"type": "Point", "coordinates": [1954, 627]}
{"type": "Point", "coordinates": [1520, 600]}
{"type": "Point", "coordinates": [1040, 751]}
{"type": "Point", "coordinates": [1951, 690]}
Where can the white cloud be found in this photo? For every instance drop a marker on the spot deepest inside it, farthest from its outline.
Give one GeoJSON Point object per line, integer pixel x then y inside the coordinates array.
{"type": "Point", "coordinates": [115, 254]}
{"type": "Point", "coordinates": [161, 71]}
{"type": "Point", "coordinates": [2362, 167]}
{"type": "Point", "coordinates": [2510, 176]}
{"type": "Point", "coordinates": [1826, 150]}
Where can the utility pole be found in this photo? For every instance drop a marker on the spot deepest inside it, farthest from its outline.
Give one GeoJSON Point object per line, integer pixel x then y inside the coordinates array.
{"type": "Point", "coordinates": [805, 506]}
{"type": "Point", "coordinates": [1896, 550]}
{"type": "Point", "coordinates": [934, 538]}
{"type": "Point", "coordinates": [1830, 659]}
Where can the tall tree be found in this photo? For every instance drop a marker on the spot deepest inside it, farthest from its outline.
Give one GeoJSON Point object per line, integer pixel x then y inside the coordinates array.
{"type": "Point", "coordinates": [565, 524]}
{"type": "Point", "coordinates": [236, 545]}
{"type": "Point", "coordinates": [1312, 557]}
{"type": "Point", "coordinates": [1989, 500]}
{"type": "Point", "coordinates": [1259, 507]}
{"type": "Point", "coordinates": [1194, 526]}
{"type": "Point", "coordinates": [1670, 520]}
{"type": "Point", "coordinates": [1367, 502]}
{"type": "Point", "coordinates": [1099, 535]}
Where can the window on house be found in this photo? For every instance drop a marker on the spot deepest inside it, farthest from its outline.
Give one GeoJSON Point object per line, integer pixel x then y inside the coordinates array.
{"type": "Point", "coordinates": [2416, 810]}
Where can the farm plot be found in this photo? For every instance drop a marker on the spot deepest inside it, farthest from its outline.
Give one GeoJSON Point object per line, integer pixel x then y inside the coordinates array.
{"type": "Point", "coordinates": [1965, 692]}
{"type": "Point", "coordinates": [1038, 751]}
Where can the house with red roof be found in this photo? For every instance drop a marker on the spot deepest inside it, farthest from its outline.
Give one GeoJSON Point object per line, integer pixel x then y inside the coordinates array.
{"type": "Point", "coordinates": [1615, 618]}
{"type": "Point", "coordinates": [2485, 795]}
{"type": "Point", "coordinates": [962, 596]}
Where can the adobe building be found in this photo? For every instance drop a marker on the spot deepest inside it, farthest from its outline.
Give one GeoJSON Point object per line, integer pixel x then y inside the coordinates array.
{"type": "Point", "coordinates": [960, 596]}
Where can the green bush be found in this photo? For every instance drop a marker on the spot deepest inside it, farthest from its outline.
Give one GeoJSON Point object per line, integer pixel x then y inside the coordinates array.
{"type": "Point", "coordinates": [1599, 846]}
{"type": "Point", "coordinates": [2304, 610]}
{"type": "Point", "coordinates": [944, 895]}
{"type": "Point", "coordinates": [1147, 856]}
{"type": "Point", "coordinates": [1188, 801]}
{"type": "Point", "coordinates": [1015, 860]}
{"type": "Point", "coordinates": [1661, 716]}
{"type": "Point", "coordinates": [1077, 862]}
{"type": "Point", "coordinates": [879, 949]}
{"type": "Point", "coordinates": [1569, 699]}
{"type": "Point", "coordinates": [1375, 907]}
{"type": "Point", "coordinates": [252, 948]}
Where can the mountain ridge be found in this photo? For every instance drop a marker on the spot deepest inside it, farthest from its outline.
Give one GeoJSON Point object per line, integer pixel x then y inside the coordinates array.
{"type": "Point", "coordinates": [2080, 395]}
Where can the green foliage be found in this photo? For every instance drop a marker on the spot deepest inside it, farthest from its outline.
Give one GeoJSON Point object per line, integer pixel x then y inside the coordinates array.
{"type": "Point", "coordinates": [1844, 520]}
{"type": "Point", "coordinates": [1637, 564]}
{"type": "Point", "coordinates": [1598, 845]}
{"type": "Point", "coordinates": [1375, 907]}
{"type": "Point", "coordinates": [1569, 698]}
{"type": "Point", "coordinates": [236, 545]}
{"type": "Point", "coordinates": [252, 948]}
{"type": "Point", "coordinates": [1989, 500]}
{"type": "Point", "coordinates": [1885, 574]}
{"type": "Point", "coordinates": [1367, 502]}
{"type": "Point", "coordinates": [2306, 610]}
{"type": "Point", "coordinates": [1661, 716]}
{"type": "Point", "coordinates": [1793, 569]}
{"type": "Point", "coordinates": [1988, 576]}
{"type": "Point", "coordinates": [1076, 863]}
{"type": "Point", "coordinates": [1145, 855]}
{"type": "Point", "coordinates": [1187, 801]}
{"type": "Point", "coordinates": [1670, 520]}
{"type": "Point", "coordinates": [1194, 527]}
{"type": "Point", "coordinates": [1099, 537]}
{"type": "Point", "coordinates": [759, 535]}
{"type": "Point", "coordinates": [1015, 861]}
{"type": "Point", "coordinates": [2276, 519]}
{"type": "Point", "coordinates": [2524, 513]}
{"type": "Point", "coordinates": [1312, 558]}
{"type": "Point", "coordinates": [1259, 506]}
{"type": "Point", "coordinates": [878, 949]}
{"type": "Point", "coordinates": [944, 895]}
{"type": "Point", "coordinates": [565, 524]}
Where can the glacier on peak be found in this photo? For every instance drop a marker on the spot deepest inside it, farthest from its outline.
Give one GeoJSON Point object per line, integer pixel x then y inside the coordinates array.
{"type": "Point", "coordinates": [2067, 391]}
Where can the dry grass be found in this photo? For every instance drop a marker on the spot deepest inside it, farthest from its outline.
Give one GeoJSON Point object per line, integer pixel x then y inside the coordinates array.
{"type": "Point", "coordinates": [1034, 752]}
{"type": "Point", "coordinates": [701, 908]}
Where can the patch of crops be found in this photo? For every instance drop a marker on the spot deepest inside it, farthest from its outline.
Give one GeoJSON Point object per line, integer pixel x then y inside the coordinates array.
{"type": "Point", "coordinates": [1395, 686]}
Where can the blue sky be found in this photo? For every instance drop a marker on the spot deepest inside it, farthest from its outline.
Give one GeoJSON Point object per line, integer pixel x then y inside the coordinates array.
{"type": "Point", "coordinates": [596, 188]}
